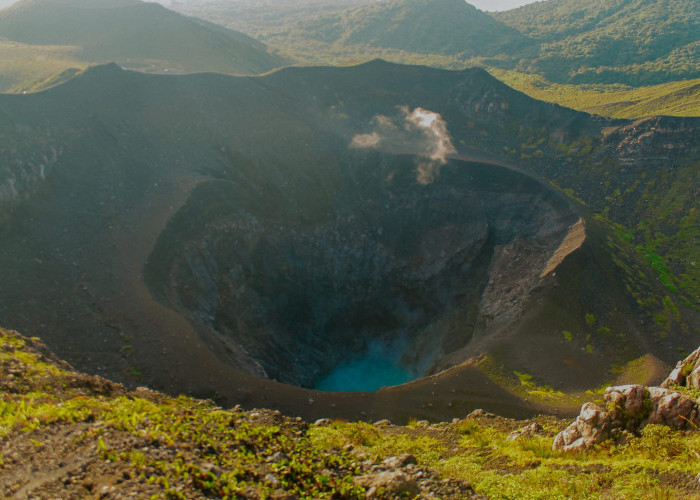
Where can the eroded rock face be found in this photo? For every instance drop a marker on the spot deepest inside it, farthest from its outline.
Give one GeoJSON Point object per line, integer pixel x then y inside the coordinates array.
{"type": "Point", "coordinates": [628, 409]}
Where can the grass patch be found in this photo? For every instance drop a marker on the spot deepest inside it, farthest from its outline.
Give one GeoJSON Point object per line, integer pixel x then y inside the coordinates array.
{"type": "Point", "coordinates": [681, 98]}
{"type": "Point", "coordinates": [29, 68]}
{"type": "Point", "coordinates": [171, 443]}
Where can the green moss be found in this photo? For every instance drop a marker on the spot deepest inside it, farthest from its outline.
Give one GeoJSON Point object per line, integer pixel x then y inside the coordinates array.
{"type": "Point", "coordinates": [590, 319]}
{"type": "Point", "coordinates": [525, 379]}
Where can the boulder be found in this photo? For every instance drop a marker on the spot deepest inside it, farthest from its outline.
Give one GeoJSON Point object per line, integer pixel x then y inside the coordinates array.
{"type": "Point", "coordinates": [393, 482]}
{"type": "Point", "coordinates": [629, 405]}
{"type": "Point", "coordinates": [399, 461]}
{"type": "Point", "coordinates": [673, 409]}
{"type": "Point", "coordinates": [527, 431]}
{"type": "Point", "coordinates": [686, 373]}
{"type": "Point", "coordinates": [629, 408]}
{"type": "Point", "coordinates": [591, 427]}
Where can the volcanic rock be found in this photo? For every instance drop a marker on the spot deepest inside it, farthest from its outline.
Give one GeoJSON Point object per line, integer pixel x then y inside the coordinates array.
{"type": "Point", "coordinates": [630, 408]}
{"type": "Point", "coordinates": [394, 482]}
{"type": "Point", "coordinates": [686, 373]}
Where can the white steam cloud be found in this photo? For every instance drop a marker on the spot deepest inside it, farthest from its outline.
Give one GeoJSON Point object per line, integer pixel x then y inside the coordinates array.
{"type": "Point", "coordinates": [420, 132]}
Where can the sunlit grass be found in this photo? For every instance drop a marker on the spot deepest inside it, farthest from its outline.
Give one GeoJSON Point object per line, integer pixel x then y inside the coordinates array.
{"type": "Point", "coordinates": [660, 463]}
{"type": "Point", "coordinates": [26, 67]}
{"type": "Point", "coordinates": [680, 98]}
{"type": "Point", "coordinates": [479, 451]}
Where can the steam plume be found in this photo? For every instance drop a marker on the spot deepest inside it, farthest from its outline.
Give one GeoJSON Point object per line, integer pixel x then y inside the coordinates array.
{"type": "Point", "coordinates": [420, 131]}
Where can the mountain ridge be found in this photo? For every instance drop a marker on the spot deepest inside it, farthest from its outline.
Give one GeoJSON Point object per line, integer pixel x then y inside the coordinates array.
{"type": "Point", "coordinates": [633, 42]}
{"type": "Point", "coordinates": [563, 40]}
{"type": "Point", "coordinates": [143, 35]}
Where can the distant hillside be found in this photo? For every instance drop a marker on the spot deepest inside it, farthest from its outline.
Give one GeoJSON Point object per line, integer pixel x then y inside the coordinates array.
{"type": "Point", "coordinates": [250, 15]}
{"type": "Point", "coordinates": [437, 27]}
{"type": "Point", "coordinates": [680, 98]}
{"type": "Point", "coordinates": [633, 42]}
{"type": "Point", "coordinates": [443, 27]}
{"type": "Point", "coordinates": [139, 35]}
{"type": "Point", "coordinates": [28, 68]}
{"type": "Point", "coordinates": [622, 41]}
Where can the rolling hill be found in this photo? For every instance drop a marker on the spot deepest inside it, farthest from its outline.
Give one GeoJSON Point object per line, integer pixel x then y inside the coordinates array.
{"type": "Point", "coordinates": [633, 42]}
{"type": "Point", "coordinates": [638, 42]}
{"type": "Point", "coordinates": [280, 226]}
{"type": "Point", "coordinates": [28, 68]}
{"type": "Point", "coordinates": [680, 98]}
{"type": "Point", "coordinates": [421, 26]}
{"type": "Point", "coordinates": [138, 35]}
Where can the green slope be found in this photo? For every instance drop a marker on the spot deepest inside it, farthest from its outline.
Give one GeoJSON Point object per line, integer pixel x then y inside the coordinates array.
{"type": "Point", "coordinates": [443, 27]}
{"type": "Point", "coordinates": [619, 41]}
{"type": "Point", "coordinates": [26, 68]}
{"type": "Point", "coordinates": [135, 34]}
{"type": "Point", "coordinates": [631, 42]}
{"type": "Point", "coordinates": [680, 98]}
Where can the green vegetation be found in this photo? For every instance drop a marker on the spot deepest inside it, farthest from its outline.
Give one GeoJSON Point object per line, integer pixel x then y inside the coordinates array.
{"type": "Point", "coordinates": [523, 385]}
{"type": "Point", "coordinates": [234, 446]}
{"type": "Point", "coordinates": [590, 319]}
{"type": "Point", "coordinates": [407, 25]}
{"type": "Point", "coordinates": [181, 447]}
{"type": "Point", "coordinates": [667, 232]}
{"type": "Point", "coordinates": [44, 38]}
{"type": "Point", "coordinates": [589, 41]}
{"type": "Point", "coordinates": [28, 68]}
{"type": "Point", "coordinates": [681, 98]}
{"type": "Point", "coordinates": [660, 464]}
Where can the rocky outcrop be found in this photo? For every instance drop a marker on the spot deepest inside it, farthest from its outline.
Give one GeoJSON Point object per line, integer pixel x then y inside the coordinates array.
{"type": "Point", "coordinates": [686, 373]}
{"type": "Point", "coordinates": [628, 409]}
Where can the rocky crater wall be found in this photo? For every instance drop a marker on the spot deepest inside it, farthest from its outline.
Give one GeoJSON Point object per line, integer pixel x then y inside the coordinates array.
{"type": "Point", "coordinates": [298, 286]}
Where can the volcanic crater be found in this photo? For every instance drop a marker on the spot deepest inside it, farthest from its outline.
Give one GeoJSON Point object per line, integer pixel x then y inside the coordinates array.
{"type": "Point", "coordinates": [372, 279]}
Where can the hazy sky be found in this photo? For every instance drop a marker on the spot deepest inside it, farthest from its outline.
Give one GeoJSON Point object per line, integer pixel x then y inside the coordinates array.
{"type": "Point", "coordinates": [498, 4]}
